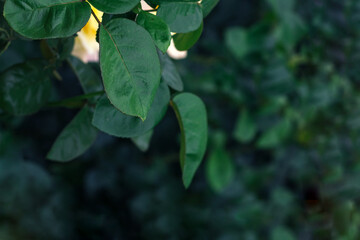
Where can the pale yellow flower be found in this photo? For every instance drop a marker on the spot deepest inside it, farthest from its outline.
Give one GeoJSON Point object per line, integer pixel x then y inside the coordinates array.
{"type": "Point", "coordinates": [86, 48]}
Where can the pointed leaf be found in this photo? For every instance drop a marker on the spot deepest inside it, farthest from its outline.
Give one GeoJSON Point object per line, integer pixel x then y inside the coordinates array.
{"type": "Point", "coordinates": [245, 128]}
{"type": "Point", "coordinates": [185, 41]}
{"type": "Point", "coordinates": [111, 121]}
{"type": "Point", "coordinates": [25, 88]}
{"type": "Point", "coordinates": [143, 141]}
{"type": "Point", "coordinates": [169, 73]}
{"type": "Point", "coordinates": [47, 18]}
{"type": "Point", "coordinates": [114, 6]}
{"type": "Point", "coordinates": [157, 28]}
{"type": "Point", "coordinates": [130, 66]}
{"type": "Point", "coordinates": [208, 6]}
{"type": "Point", "coordinates": [192, 117]}
{"type": "Point", "coordinates": [75, 139]}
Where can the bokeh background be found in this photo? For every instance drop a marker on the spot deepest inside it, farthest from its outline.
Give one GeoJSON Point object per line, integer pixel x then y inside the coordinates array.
{"type": "Point", "coordinates": [280, 80]}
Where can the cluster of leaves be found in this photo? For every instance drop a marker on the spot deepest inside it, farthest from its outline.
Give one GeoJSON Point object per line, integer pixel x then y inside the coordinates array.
{"type": "Point", "coordinates": [132, 95]}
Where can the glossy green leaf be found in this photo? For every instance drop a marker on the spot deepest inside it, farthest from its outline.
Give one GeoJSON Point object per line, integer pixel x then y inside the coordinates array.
{"type": "Point", "coordinates": [181, 16]}
{"type": "Point", "coordinates": [143, 141]}
{"type": "Point", "coordinates": [111, 121]}
{"type": "Point", "coordinates": [192, 117]}
{"type": "Point", "coordinates": [89, 79]}
{"type": "Point", "coordinates": [114, 6]}
{"type": "Point", "coordinates": [185, 41]}
{"type": "Point", "coordinates": [25, 88]}
{"type": "Point", "coordinates": [220, 169]}
{"type": "Point", "coordinates": [208, 6]}
{"type": "Point", "coordinates": [157, 28]}
{"type": "Point", "coordinates": [169, 73]}
{"type": "Point", "coordinates": [47, 18]}
{"type": "Point", "coordinates": [245, 128]}
{"type": "Point", "coordinates": [75, 139]}
{"type": "Point", "coordinates": [130, 66]}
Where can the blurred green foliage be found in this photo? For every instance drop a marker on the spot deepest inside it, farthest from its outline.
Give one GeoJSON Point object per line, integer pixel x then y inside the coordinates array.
{"type": "Point", "coordinates": [280, 80]}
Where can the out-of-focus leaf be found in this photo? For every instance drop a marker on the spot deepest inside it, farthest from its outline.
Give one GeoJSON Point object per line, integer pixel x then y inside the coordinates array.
{"type": "Point", "coordinates": [236, 41]}
{"type": "Point", "coordinates": [157, 28]}
{"type": "Point", "coordinates": [220, 169]}
{"type": "Point", "coordinates": [46, 18]}
{"type": "Point", "coordinates": [111, 121]}
{"type": "Point", "coordinates": [245, 128]}
{"type": "Point", "coordinates": [25, 88]}
{"type": "Point", "coordinates": [143, 141]}
{"type": "Point", "coordinates": [281, 233]}
{"type": "Point", "coordinates": [275, 135]}
{"type": "Point", "coordinates": [184, 41]}
{"type": "Point", "coordinates": [131, 85]}
{"type": "Point", "coordinates": [192, 117]}
{"type": "Point", "coordinates": [169, 73]}
{"type": "Point", "coordinates": [75, 139]}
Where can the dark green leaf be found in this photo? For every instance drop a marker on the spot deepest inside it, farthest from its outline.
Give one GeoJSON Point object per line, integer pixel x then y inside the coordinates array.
{"type": "Point", "coordinates": [237, 42]}
{"type": "Point", "coordinates": [169, 73]}
{"type": "Point", "coordinates": [143, 141]}
{"type": "Point", "coordinates": [208, 6]}
{"type": "Point", "coordinates": [111, 121]}
{"type": "Point", "coordinates": [157, 28]}
{"type": "Point", "coordinates": [181, 16]}
{"type": "Point", "coordinates": [47, 18]}
{"type": "Point", "coordinates": [25, 88]}
{"type": "Point", "coordinates": [114, 6]}
{"type": "Point", "coordinates": [275, 135]}
{"type": "Point", "coordinates": [220, 169]}
{"type": "Point", "coordinates": [130, 66]}
{"type": "Point", "coordinates": [245, 128]}
{"type": "Point", "coordinates": [88, 77]}
{"type": "Point", "coordinates": [75, 139]}
{"type": "Point", "coordinates": [184, 41]}
{"type": "Point", "coordinates": [192, 117]}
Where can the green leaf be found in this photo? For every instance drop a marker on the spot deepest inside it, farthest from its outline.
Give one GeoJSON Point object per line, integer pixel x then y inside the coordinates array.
{"type": "Point", "coordinates": [114, 6]}
{"type": "Point", "coordinates": [208, 6]}
{"type": "Point", "coordinates": [192, 117]}
{"type": "Point", "coordinates": [185, 41]}
{"type": "Point", "coordinates": [89, 79]}
{"type": "Point", "coordinates": [47, 18]}
{"type": "Point", "coordinates": [181, 16]}
{"type": "Point", "coordinates": [75, 139]}
{"type": "Point", "coordinates": [220, 170]}
{"type": "Point", "coordinates": [236, 40]}
{"type": "Point", "coordinates": [281, 7]}
{"type": "Point", "coordinates": [111, 121]}
{"type": "Point", "coordinates": [157, 28]}
{"type": "Point", "coordinates": [245, 128]}
{"type": "Point", "coordinates": [169, 73]}
{"type": "Point", "coordinates": [281, 233]}
{"type": "Point", "coordinates": [143, 141]}
{"type": "Point", "coordinates": [4, 40]}
{"type": "Point", "coordinates": [130, 66]}
{"type": "Point", "coordinates": [25, 88]}
{"type": "Point", "coordinates": [274, 136]}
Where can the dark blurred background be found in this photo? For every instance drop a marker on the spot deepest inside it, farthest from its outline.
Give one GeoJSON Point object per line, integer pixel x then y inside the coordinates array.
{"type": "Point", "coordinates": [280, 80]}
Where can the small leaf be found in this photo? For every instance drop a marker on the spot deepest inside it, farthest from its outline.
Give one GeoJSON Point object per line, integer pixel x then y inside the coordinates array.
{"type": "Point", "coordinates": [157, 28]}
{"type": "Point", "coordinates": [245, 128]}
{"type": "Point", "coordinates": [75, 139]}
{"type": "Point", "coordinates": [89, 79]}
{"type": "Point", "coordinates": [47, 18]}
{"type": "Point", "coordinates": [111, 121]}
{"type": "Point", "coordinates": [192, 117]}
{"type": "Point", "coordinates": [185, 41]}
{"type": "Point", "coordinates": [274, 136]}
{"type": "Point", "coordinates": [114, 6]}
{"type": "Point", "coordinates": [220, 170]}
{"type": "Point", "coordinates": [181, 16]}
{"type": "Point", "coordinates": [143, 141]}
{"type": "Point", "coordinates": [130, 66]}
{"type": "Point", "coordinates": [236, 40]}
{"type": "Point", "coordinates": [169, 73]}
{"type": "Point", "coordinates": [25, 88]}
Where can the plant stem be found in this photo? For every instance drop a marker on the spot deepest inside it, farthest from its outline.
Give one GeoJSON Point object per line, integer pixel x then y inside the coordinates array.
{"type": "Point", "coordinates": [74, 102]}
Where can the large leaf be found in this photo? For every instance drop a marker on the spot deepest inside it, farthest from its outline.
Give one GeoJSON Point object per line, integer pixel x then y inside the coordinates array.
{"type": "Point", "coordinates": [130, 66]}
{"type": "Point", "coordinates": [24, 88]}
{"type": "Point", "coordinates": [169, 73]}
{"type": "Point", "coordinates": [157, 28]}
{"type": "Point", "coordinates": [220, 169]}
{"type": "Point", "coordinates": [184, 41]}
{"type": "Point", "coordinates": [90, 81]}
{"type": "Point", "coordinates": [181, 16]}
{"type": "Point", "coordinates": [111, 121]}
{"type": "Point", "coordinates": [47, 18]}
{"type": "Point", "coordinates": [114, 6]}
{"type": "Point", "coordinates": [208, 6]}
{"type": "Point", "coordinates": [75, 139]}
{"type": "Point", "coordinates": [192, 117]}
